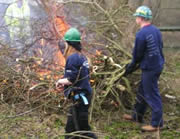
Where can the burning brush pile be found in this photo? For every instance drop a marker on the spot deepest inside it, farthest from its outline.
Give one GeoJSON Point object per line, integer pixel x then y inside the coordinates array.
{"type": "Point", "coordinates": [29, 79]}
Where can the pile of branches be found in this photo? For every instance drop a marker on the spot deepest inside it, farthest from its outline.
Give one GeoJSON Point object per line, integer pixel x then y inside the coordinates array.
{"type": "Point", "coordinates": [22, 85]}
{"type": "Point", "coordinates": [106, 39]}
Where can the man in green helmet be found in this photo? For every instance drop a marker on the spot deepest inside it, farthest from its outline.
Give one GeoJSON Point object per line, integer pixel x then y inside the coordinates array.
{"type": "Point", "coordinates": [148, 55]}
{"type": "Point", "coordinates": [76, 85]}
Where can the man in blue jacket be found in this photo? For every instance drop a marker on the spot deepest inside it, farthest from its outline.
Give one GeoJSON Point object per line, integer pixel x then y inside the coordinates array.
{"type": "Point", "coordinates": [147, 55]}
{"type": "Point", "coordinates": [76, 85]}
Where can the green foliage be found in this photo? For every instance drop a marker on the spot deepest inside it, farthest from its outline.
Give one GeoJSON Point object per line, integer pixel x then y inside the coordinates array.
{"type": "Point", "coordinates": [170, 134]}
{"type": "Point", "coordinates": [58, 123]}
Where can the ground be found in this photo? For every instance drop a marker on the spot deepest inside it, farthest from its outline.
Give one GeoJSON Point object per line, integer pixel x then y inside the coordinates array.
{"type": "Point", "coordinates": [50, 124]}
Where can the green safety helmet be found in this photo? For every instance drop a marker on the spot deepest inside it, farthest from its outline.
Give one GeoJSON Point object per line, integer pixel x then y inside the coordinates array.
{"type": "Point", "coordinates": [72, 35]}
{"type": "Point", "coordinates": [143, 11]}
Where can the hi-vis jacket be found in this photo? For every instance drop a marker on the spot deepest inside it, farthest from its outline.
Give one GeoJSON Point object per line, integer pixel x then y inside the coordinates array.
{"type": "Point", "coordinates": [17, 20]}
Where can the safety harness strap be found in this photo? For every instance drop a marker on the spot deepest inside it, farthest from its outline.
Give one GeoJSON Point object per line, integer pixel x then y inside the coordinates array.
{"type": "Point", "coordinates": [82, 95]}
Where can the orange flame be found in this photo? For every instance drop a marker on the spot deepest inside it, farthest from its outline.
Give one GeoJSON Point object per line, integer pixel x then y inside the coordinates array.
{"type": "Point", "coordinates": [60, 28]}
{"type": "Point", "coordinates": [98, 52]}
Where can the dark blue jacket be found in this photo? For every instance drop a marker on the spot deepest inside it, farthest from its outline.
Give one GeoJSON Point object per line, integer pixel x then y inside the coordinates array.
{"type": "Point", "coordinates": [77, 71]}
{"type": "Point", "coordinates": [148, 49]}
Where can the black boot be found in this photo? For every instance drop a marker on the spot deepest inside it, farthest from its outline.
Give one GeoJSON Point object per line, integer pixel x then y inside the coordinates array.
{"type": "Point", "coordinates": [71, 137]}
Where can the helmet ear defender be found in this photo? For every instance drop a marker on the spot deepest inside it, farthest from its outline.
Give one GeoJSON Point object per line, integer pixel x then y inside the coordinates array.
{"type": "Point", "coordinates": [143, 11]}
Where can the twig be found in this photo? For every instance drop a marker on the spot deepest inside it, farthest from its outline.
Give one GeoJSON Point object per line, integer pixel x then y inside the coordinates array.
{"type": "Point", "coordinates": [21, 114]}
{"type": "Point", "coordinates": [109, 17]}
{"type": "Point", "coordinates": [116, 46]}
{"type": "Point", "coordinates": [92, 104]}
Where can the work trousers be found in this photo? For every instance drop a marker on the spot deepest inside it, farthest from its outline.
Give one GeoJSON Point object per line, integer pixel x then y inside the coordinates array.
{"type": "Point", "coordinates": [79, 113]}
{"type": "Point", "coordinates": [148, 95]}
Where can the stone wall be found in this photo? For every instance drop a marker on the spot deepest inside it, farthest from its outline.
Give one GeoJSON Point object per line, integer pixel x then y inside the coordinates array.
{"type": "Point", "coordinates": [167, 14]}
{"type": "Point", "coordinates": [168, 11]}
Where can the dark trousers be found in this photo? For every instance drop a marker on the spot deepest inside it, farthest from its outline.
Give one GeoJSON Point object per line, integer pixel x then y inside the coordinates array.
{"type": "Point", "coordinates": [81, 111]}
{"type": "Point", "coordinates": [148, 95]}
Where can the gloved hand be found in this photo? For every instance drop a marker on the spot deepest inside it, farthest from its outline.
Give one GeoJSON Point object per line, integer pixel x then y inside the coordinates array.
{"type": "Point", "coordinates": [127, 71]}
{"type": "Point", "coordinates": [130, 68]}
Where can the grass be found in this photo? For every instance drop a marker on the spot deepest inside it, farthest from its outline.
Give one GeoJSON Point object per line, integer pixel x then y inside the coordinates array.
{"type": "Point", "coordinates": [170, 134]}
{"type": "Point", "coordinates": [31, 126]}
{"type": "Point", "coordinates": [129, 130]}
{"type": "Point", "coordinates": [122, 129]}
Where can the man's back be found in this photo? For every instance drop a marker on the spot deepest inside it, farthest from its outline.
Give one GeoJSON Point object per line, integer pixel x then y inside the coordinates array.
{"type": "Point", "coordinates": [151, 40]}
